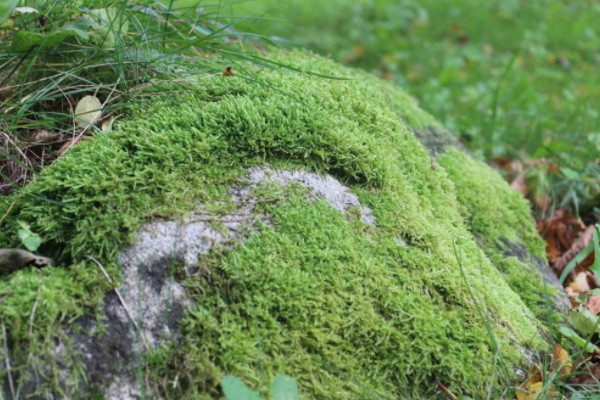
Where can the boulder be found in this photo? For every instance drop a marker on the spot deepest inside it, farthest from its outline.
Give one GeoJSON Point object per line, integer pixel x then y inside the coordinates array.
{"type": "Point", "coordinates": [311, 221]}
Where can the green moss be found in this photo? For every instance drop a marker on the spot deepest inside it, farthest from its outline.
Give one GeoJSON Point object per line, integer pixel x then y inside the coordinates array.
{"type": "Point", "coordinates": [336, 303]}
{"type": "Point", "coordinates": [496, 214]}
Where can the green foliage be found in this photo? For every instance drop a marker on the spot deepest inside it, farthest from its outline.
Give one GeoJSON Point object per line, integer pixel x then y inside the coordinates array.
{"type": "Point", "coordinates": [282, 388]}
{"type": "Point", "coordinates": [62, 51]}
{"type": "Point", "coordinates": [30, 240]}
{"type": "Point", "coordinates": [235, 389]}
{"type": "Point", "coordinates": [6, 9]}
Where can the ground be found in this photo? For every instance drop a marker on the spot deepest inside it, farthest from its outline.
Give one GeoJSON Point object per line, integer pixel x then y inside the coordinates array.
{"type": "Point", "coordinates": [423, 290]}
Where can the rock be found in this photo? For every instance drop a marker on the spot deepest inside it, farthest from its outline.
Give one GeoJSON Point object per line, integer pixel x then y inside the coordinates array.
{"type": "Point", "coordinates": [293, 224]}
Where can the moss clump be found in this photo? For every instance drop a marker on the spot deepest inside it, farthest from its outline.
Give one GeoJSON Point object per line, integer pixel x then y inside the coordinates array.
{"type": "Point", "coordinates": [496, 214]}
{"type": "Point", "coordinates": [338, 304]}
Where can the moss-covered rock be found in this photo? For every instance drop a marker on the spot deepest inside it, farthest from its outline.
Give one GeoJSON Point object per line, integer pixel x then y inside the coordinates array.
{"type": "Point", "coordinates": [352, 307]}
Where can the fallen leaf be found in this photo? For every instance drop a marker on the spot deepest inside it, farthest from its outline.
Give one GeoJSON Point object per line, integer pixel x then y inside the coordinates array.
{"type": "Point", "coordinates": [583, 320]}
{"type": "Point", "coordinates": [25, 10]}
{"type": "Point", "coordinates": [44, 136]}
{"type": "Point", "coordinates": [88, 110]}
{"type": "Point", "coordinates": [578, 286]}
{"type": "Point", "coordinates": [355, 53]}
{"type": "Point", "coordinates": [70, 143]}
{"type": "Point", "coordinates": [532, 391]}
{"type": "Point", "coordinates": [575, 248]}
{"type": "Point", "coordinates": [562, 363]}
{"type": "Point", "coordinates": [593, 304]}
{"type": "Point", "coordinates": [15, 259]}
{"type": "Point", "coordinates": [519, 184]}
{"type": "Point", "coordinates": [107, 125]}
{"type": "Point", "coordinates": [589, 375]}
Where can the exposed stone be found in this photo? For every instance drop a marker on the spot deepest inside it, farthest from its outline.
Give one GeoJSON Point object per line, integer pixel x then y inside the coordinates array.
{"type": "Point", "coordinates": [436, 141]}
{"type": "Point", "coordinates": [559, 300]}
{"type": "Point", "coordinates": [326, 187]}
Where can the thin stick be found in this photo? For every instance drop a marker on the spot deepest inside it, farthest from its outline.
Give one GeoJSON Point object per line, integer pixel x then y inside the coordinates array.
{"type": "Point", "coordinates": [135, 325]}
{"type": "Point", "coordinates": [32, 316]}
{"type": "Point", "coordinates": [447, 391]}
{"type": "Point", "coordinates": [7, 361]}
{"type": "Point", "coordinates": [146, 346]}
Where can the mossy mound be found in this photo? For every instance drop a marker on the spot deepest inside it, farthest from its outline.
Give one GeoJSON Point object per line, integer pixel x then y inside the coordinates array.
{"type": "Point", "coordinates": [348, 308]}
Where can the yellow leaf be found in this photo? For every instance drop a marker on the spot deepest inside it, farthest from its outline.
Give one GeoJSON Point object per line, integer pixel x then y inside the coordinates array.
{"type": "Point", "coordinates": [532, 391]}
{"type": "Point", "coordinates": [562, 361]}
{"type": "Point", "coordinates": [88, 110]}
{"type": "Point", "coordinates": [107, 125]}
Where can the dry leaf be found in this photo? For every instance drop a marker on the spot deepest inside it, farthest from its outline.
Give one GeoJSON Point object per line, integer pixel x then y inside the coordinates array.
{"type": "Point", "coordinates": [589, 375]}
{"type": "Point", "coordinates": [43, 136]}
{"type": "Point", "coordinates": [532, 391]}
{"type": "Point", "coordinates": [575, 248]}
{"type": "Point", "coordinates": [519, 184]}
{"type": "Point", "coordinates": [533, 385]}
{"type": "Point", "coordinates": [561, 360]}
{"type": "Point", "coordinates": [593, 304]}
{"type": "Point", "coordinates": [355, 53]}
{"type": "Point", "coordinates": [88, 110]}
{"type": "Point", "coordinates": [70, 143]}
{"type": "Point", "coordinates": [578, 286]}
{"type": "Point", "coordinates": [107, 125]}
{"type": "Point", "coordinates": [560, 232]}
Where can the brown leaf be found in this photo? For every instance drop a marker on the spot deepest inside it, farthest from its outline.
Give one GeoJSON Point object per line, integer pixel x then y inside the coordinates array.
{"type": "Point", "coordinates": [43, 136]}
{"type": "Point", "coordinates": [560, 232]}
{"type": "Point", "coordinates": [575, 248]}
{"type": "Point", "coordinates": [562, 363]}
{"type": "Point", "coordinates": [70, 143]}
{"type": "Point", "coordinates": [589, 375]}
{"type": "Point", "coordinates": [519, 184]}
{"type": "Point", "coordinates": [228, 71]}
{"type": "Point", "coordinates": [355, 53]}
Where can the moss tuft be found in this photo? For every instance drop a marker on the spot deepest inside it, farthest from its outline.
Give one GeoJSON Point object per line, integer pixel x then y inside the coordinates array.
{"type": "Point", "coordinates": [496, 214]}
{"type": "Point", "coordinates": [340, 305]}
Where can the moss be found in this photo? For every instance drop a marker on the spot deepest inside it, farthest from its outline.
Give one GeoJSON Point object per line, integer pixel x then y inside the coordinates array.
{"type": "Point", "coordinates": [336, 303]}
{"type": "Point", "coordinates": [495, 214]}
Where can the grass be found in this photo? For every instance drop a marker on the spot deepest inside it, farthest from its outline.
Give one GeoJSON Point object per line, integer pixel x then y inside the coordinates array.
{"type": "Point", "coordinates": [514, 79]}
{"type": "Point", "coordinates": [65, 50]}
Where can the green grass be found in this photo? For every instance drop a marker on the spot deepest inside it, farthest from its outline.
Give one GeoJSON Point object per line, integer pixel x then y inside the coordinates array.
{"type": "Point", "coordinates": [512, 78]}
{"type": "Point", "coordinates": [50, 59]}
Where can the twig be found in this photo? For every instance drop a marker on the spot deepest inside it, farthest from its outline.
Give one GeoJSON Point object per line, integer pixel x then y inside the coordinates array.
{"type": "Point", "coordinates": [135, 325]}
{"type": "Point", "coordinates": [32, 316]}
{"type": "Point", "coordinates": [7, 361]}
{"type": "Point", "coordinates": [447, 391]}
